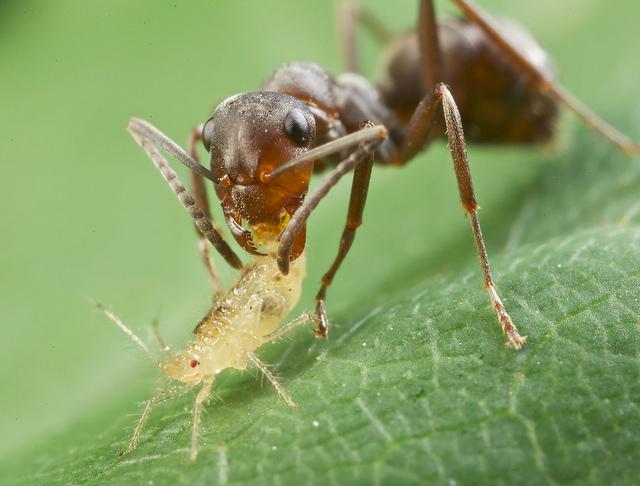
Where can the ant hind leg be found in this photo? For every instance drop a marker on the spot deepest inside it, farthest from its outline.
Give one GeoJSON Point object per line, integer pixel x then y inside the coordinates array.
{"type": "Point", "coordinates": [349, 16]}
{"type": "Point", "coordinates": [546, 83]}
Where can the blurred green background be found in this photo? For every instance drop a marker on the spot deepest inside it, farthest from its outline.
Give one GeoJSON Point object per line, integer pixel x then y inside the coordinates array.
{"type": "Point", "coordinates": [84, 213]}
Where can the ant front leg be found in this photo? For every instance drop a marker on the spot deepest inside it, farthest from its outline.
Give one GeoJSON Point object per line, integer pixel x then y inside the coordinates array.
{"type": "Point", "coordinates": [422, 121]}
{"type": "Point", "coordinates": [360, 161]}
{"type": "Point", "coordinates": [150, 139]}
{"type": "Point", "coordinates": [545, 83]}
{"type": "Point", "coordinates": [357, 200]}
{"type": "Point", "coordinates": [202, 201]}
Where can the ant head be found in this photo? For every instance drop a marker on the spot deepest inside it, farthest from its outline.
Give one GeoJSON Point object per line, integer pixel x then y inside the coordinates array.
{"type": "Point", "coordinates": [183, 366]}
{"type": "Point", "coordinates": [250, 135]}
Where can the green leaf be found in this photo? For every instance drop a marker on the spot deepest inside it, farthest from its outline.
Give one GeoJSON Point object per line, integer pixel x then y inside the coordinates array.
{"type": "Point", "coordinates": [414, 384]}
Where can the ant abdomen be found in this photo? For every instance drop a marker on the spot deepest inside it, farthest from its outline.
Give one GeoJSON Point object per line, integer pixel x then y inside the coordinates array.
{"type": "Point", "coordinates": [498, 101]}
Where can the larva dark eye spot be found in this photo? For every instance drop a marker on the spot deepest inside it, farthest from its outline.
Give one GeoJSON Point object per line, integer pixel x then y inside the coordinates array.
{"type": "Point", "coordinates": [297, 127]}
{"type": "Point", "coordinates": [194, 363]}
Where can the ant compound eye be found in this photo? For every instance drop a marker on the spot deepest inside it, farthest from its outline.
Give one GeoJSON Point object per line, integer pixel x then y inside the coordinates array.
{"type": "Point", "coordinates": [207, 134]}
{"type": "Point", "coordinates": [297, 127]}
{"type": "Point", "coordinates": [194, 363]}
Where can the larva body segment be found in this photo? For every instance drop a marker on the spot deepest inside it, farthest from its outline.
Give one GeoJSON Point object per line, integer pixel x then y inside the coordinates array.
{"type": "Point", "coordinates": [240, 322]}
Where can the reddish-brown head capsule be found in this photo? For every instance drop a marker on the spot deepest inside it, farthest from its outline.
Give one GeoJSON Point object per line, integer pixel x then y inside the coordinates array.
{"type": "Point", "coordinates": [249, 135]}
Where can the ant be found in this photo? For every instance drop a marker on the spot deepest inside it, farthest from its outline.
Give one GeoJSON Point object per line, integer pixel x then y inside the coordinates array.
{"type": "Point", "coordinates": [265, 145]}
{"type": "Point", "coordinates": [485, 74]}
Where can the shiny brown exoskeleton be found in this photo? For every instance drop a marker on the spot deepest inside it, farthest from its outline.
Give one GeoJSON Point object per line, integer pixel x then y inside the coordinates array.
{"type": "Point", "coordinates": [486, 75]}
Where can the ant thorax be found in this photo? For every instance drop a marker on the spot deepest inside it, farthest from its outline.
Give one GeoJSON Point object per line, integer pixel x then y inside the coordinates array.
{"type": "Point", "coordinates": [240, 321]}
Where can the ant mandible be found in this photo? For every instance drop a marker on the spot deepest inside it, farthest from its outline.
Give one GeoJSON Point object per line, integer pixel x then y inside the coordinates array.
{"type": "Point", "coordinates": [490, 76]}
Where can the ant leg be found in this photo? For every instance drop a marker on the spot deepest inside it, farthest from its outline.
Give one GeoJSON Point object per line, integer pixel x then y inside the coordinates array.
{"type": "Point", "coordinates": [161, 396]}
{"type": "Point", "coordinates": [358, 198]}
{"type": "Point", "coordinates": [419, 129]}
{"type": "Point", "coordinates": [203, 394]}
{"type": "Point", "coordinates": [429, 45]}
{"type": "Point", "coordinates": [272, 379]}
{"type": "Point", "coordinates": [347, 18]}
{"type": "Point", "coordinates": [202, 201]}
{"type": "Point", "coordinates": [555, 89]}
{"type": "Point", "coordinates": [149, 138]}
{"type": "Point", "coordinates": [349, 15]}
{"type": "Point", "coordinates": [361, 159]}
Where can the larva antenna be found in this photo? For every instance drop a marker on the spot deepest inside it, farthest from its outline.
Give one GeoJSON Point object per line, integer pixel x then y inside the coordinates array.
{"type": "Point", "coordinates": [124, 328]}
{"type": "Point", "coordinates": [164, 347]}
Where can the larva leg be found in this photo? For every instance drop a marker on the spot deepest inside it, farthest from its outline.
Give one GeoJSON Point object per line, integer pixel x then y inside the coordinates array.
{"type": "Point", "coordinates": [159, 397]}
{"type": "Point", "coordinates": [288, 327]}
{"type": "Point", "coordinates": [272, 379]}
{"type": "Point", "coordinates": [202, 396]}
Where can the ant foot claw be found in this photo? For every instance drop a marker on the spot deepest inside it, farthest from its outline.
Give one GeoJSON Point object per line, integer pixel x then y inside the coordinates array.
{"type": "Point", "coordinates": [515, 340]}
{"type": "Point", "coordinates": [321, 320]}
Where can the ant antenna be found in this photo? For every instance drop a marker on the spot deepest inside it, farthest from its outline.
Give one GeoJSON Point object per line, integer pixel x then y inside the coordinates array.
{"type": "Point", "coordinates": [143, 130]}
{"type": "Point", "coordinates": [124, 328]}
{"type": "Point", "coordinates": [361, 136]}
